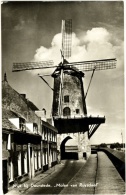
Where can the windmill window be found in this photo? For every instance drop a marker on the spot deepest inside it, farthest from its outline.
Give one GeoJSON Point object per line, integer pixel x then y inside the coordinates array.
{"type": "Point", "coordinates": [35, 128]}
{"type": "Point", "coordinates": [77, 111]}
{"type": "Point", "coordinates": [66, 98]}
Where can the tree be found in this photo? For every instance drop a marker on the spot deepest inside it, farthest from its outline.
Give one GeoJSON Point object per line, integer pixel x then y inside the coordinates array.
{"type": "Point", "coordinates": [103, 145]}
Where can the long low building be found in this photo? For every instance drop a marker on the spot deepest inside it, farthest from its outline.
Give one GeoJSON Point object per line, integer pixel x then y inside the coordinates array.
{"type": "Point", "coordinates": [29, 142]}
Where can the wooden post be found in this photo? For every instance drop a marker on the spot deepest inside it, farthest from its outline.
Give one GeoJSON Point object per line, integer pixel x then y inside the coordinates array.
{"type": "Point", "coordinates": [29, 157]}
{"type": "Point", "coordinates": [33, 163]}
{"type": "Point", "coordinates": [41, 155]}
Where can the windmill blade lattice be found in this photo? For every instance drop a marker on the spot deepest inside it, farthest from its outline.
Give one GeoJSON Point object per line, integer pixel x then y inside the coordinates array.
{"type": "Point", "coordinates": [32, 65]}
{"type": "Point", "coordinates": [66, 38]}
{"type": "Point", "coordinates": [94, 64]}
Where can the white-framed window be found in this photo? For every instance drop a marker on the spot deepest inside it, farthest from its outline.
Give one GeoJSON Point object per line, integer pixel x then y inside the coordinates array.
{"type": "Point", "coordinates": [25, 162]}
{"type": "Point", "coordinates": [10, 170]}
{"type": "Point", "coordinates": [39, 159]}
{"type": "Point", "coordinates": [22, 124]}
{"type": "Point", "coordinates": [35, 128]}
{"type": "Point", "coordinates": [35, 159]}
{"type": "Point", "coordinates": [19, 163]}
{"type": "Point", "coordinates": [43, 158]}
{"type": "Point", "coordinates": [46, 157]}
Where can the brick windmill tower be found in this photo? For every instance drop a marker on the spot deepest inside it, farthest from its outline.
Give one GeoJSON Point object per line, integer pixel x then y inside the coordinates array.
{"type": "Point", "coordinates": [69, 100]}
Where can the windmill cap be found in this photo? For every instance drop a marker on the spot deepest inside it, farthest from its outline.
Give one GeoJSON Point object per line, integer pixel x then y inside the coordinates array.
{"type": "Point", "coordinates": [67, 70]}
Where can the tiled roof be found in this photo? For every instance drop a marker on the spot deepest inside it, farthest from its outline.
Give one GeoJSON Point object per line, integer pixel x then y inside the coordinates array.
{"type": "Point", "coordinates": [7, 90]}
{"type": "Point", "coordinates": [12, 100]}
{"type": "Point", "coordinates": [11, 114]}
{"type": "Point", "coordinates": [31, 105]}
{"type": "Point", "coordinates": [6, 124]}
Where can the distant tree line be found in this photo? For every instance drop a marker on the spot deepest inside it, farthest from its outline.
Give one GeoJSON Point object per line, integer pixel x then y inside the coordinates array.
{"type": "Point", "coordinates": [113, 145]}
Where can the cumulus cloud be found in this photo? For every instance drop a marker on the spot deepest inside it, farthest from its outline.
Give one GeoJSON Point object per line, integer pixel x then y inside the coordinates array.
{"type": "Point", "coordinates": [97, 35]}
{"type": "Point", "coordinates": [94, 44]}
{"type": "Point", "coordinates": [52, 53]}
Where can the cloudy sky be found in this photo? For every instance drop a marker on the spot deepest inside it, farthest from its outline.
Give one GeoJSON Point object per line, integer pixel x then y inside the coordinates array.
{"type": "Point", "coordinates": [31, 31]}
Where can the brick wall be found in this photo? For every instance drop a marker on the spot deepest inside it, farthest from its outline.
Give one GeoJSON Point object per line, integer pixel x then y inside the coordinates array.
{"type": "Point", "coordinates": [72, 86]}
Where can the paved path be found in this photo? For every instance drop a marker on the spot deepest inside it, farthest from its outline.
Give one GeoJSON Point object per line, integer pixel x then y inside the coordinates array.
{"type": "Point", "coordinates": [108, 179]}
{"type": "Point", "coordinates": [84, 179]}
{"type": "Point", "coordinates": [58, 180]}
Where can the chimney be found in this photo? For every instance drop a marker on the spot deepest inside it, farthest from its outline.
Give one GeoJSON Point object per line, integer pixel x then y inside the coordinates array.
{"type": "Point", "coordinates": [5, 77]}
{"type": "Point", "coordinates": [23, 96]}
{"type": "Point", "coordinates": [44, 112]}
{"type": "Point", "coordinates": [41, 113]}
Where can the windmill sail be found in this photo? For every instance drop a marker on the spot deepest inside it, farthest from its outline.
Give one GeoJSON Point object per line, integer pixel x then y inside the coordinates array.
{"type": "Point", "coordinates": [32, 65]}
{"type": "Point", "coordinates": [66, 38]}
{"type": "Point", "coordinates": [94, 64]}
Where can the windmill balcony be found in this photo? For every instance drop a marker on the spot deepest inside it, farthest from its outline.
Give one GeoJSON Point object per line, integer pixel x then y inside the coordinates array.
{"type": "Point", "coordinates": [78, 124]}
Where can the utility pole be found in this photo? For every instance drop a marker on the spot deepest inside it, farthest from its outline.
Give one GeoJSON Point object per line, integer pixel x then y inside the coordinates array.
{"type": "Point", "coordinates": [122, 138]}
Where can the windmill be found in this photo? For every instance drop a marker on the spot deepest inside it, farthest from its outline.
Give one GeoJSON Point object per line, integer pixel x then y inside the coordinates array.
{"type": "Point", "coordinates": [67, 118]}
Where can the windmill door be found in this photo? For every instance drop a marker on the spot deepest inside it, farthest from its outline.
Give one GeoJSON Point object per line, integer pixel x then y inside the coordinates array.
{"type": "Point", "coordinates": [66, 111]}
{"type": "Point", "coordinates": [5, 177]}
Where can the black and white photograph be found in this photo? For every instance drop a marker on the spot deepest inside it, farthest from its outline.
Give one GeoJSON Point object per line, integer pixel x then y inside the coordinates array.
{"type": "Point", "coordinates": [62, 97]}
